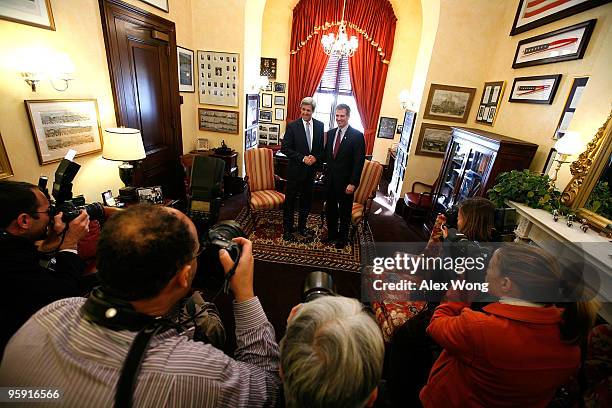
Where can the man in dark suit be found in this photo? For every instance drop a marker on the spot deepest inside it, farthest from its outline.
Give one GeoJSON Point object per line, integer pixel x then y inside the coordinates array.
{"type": "Point", "coordinates": [303, 145]}
{"type": "Point", "coordinates": [345, 155]}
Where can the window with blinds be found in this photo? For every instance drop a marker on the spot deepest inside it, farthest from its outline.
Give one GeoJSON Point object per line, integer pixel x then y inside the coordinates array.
{"type": "Point", "coordinates": [335, 88]}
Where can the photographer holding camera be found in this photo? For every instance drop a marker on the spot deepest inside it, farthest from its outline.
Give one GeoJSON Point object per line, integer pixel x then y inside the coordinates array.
{"type": "Point", "coordinates": [28, 232]}
{"type": "Point", "coordinates": [147, 259]}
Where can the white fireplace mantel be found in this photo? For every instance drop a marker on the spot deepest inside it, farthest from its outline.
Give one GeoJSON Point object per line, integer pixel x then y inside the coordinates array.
{"type": "Point", "coordinates": [539, 227]}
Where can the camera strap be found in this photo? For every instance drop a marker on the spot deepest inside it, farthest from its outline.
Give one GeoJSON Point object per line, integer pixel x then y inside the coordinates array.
{"type": "Point", "coordinates": [132, 364]}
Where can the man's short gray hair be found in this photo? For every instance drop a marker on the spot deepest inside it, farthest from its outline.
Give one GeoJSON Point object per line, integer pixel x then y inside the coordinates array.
{"type": "Point", "coordinates": [332, 354]}
{"type": "Point", "coordinates": [309, 101]}
{"type": "Point", "coordinates": [345, 107]}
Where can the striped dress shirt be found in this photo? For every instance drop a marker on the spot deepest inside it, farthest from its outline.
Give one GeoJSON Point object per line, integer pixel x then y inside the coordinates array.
{"type": "Point", "coordinates": [58, 349]}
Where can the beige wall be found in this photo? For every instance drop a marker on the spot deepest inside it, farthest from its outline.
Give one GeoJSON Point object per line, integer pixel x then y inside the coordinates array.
{"type": "Point", "coordinates": [470, 50]}
{"type": "Point", "coordinates": [78, 34]}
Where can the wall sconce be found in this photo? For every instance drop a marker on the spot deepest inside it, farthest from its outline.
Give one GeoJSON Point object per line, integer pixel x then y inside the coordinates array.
{"type": "Point", "coordinates": [405, 99]}
{"type": "Point", "coordinates": [568, 145]}
{"type": "Point", "coordinates": [56, 67]}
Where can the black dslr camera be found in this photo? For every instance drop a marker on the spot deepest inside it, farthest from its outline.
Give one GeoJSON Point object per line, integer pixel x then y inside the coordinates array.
{"type": "Point", "coordinates": [218, 237]}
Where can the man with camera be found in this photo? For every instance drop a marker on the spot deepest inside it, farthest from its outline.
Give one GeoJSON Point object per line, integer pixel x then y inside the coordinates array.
{"type": "Point", "coordinates": [122, 344]}
{"type": "Point", "coordinates": [325, 337]}
{"type": "Point", "coordinates": [28, 232]}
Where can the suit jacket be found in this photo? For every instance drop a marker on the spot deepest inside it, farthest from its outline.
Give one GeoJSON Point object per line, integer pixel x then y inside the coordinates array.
{"type": "Point", "coordinates": [346, 168]}
{"type": "Point", "coordinates": [509, 356]}
{"type": "Point", "coordinates": [295, 147]}
{"type": "Point", "coordinates": [27, 286]}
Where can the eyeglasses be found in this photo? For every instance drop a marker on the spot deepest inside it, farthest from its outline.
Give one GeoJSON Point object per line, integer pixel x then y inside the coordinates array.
{"type": "Point", "coordinates": [47, 211]}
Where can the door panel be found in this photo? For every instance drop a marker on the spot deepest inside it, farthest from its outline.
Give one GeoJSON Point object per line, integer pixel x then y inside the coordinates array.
{"type": "Point", "coordinates": [145, 89]}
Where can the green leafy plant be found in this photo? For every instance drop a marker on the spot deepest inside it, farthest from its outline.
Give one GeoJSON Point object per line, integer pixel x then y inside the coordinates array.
{"type": "Point", "coordinates": [526, 187]}
{"type": "Point", "coordinates": [600, 200]}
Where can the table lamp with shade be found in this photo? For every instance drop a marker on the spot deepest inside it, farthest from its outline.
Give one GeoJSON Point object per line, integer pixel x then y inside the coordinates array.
{"type": "Point", "coordinates": [568, 145]}
{"type": "Point", "coordinates": [125, 145]}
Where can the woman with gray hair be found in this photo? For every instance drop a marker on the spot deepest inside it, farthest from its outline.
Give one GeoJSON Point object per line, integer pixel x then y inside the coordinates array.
{"type": "Point", "coordinates": [332, 355]}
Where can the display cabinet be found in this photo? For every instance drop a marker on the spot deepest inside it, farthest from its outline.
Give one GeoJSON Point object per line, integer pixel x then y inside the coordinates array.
{"type": "Point", "coordinates": [474, 158]}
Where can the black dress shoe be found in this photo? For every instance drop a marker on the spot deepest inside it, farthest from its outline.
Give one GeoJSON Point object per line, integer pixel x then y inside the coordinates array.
{"type": "Point", "coordinates": [306, 233]}
{"type": "Point", "coordinates": [340, 244]}
{"type": "Point", "coordinates": [288, 236]}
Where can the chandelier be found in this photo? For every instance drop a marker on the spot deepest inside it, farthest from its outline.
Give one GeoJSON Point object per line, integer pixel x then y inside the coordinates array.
{"type": "Point", "coordinates": [340, 45]}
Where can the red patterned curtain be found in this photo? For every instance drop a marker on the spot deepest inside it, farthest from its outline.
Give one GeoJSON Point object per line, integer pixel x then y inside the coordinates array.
{"type": "Point", "coordinates": [373, 23]}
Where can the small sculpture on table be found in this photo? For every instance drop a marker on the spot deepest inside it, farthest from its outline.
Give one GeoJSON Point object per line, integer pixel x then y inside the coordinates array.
{"type": "Point", "coordinates": [555, 214]}
{"type": "Point", "coordinates": [584, 226]}
{"type": "Point", "coordinates": [570, 220]}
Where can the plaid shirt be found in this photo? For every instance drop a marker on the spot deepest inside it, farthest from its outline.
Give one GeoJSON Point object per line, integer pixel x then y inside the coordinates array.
{"type": "Point", "coordinates": [57, 348]}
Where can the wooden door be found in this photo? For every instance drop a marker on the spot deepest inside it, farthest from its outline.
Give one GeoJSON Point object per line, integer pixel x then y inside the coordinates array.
{"type": "Point", "coordinates": [141, 53]}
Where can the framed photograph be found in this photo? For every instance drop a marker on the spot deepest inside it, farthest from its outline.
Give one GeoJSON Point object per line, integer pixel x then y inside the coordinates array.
{"type": "Point", "coordinates": [570, 106]}
{"type": "Point", "coordinates": [449, 103]}
{"type": "Point", "coordinates": [265, 116]}
{"type": "Point", "coordinates": [535, 13]}
{"type": "Point", "coordinates": [549, 161]}
{"type": "Point", "coordinates": [566, 44]}
{"type": "Point", "coordinates": [5, 165]}
{"type": "Point", "coordinates": [268, 87]}
{"type": "Point", "coordinates": [218, 78]}
{"type": "Point", "coordinates": [160, 4]}
{"type": "Point", "coordinates": [202, 144]}
{"type": "Point", "coordinates": [59, 125]}
{"type": "Point", "coordinates": [266, 100]}
{"type": "Point", "coordinates": [279, 100]}
{"type": "Point", "coordinates": [268, 68]}
{"type": "Point", "coordinates": [386, 128]}
{"type": "Point", "coordinates": [433, 140]}
{"type": "Point", "coordinates": [407, 129]}
{"type": "Point", "coordinates": [217, 120]}
{"type": "Point", "coordinates": [150, 195]}
{"type": "Point", "coordinates": [279, 114]}
{"type": "Point", "coordinates": [536, 89]}
{"type": "Point", "coordinates": [252, 110]}
{"type": "Point", "coordinates": [185, 69]}
{"type": "Point", "coordinates": [492, 94]}
{"type": "Point", "coordinates": [279, 87]}
{"type": "Point", "coordinates": [36, 13]}
{"type": "Point", "coordinates": [268, 133]}
{"type": "Point", "coordinates": [250, 138]}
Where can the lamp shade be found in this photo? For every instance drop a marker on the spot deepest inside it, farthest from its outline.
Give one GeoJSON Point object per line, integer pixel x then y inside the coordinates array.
{"type": "Point", "coordinates": [570, 144]}
{"type": "Point", "coordinates": [123, 144]}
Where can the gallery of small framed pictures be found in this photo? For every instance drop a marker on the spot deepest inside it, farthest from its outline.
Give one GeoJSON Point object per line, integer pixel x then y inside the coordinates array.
{"type": "Point", "coordinates": [492, 94]}
{"type": "Point", "coordinates": [566, 44]}
{"type": "Point", "coordinates": [269, 133]}
{"type": "Point", "coordinates": [535, 89]}
{"type": "Point", "coordinates": [218, 78]}
{"type": "Point", "coordinates": [570, 106]}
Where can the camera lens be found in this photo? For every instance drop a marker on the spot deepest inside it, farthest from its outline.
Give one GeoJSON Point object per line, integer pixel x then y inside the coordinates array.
{"type": "Point", "coordinates": [316, 285]}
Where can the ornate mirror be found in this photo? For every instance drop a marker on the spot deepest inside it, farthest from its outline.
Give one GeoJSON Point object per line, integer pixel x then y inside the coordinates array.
{"type": "Point", "coordinates": [590, 190]}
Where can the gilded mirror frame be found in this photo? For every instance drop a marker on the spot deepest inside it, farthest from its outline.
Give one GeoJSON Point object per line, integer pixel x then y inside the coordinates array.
{"type": "Point", "coordinates": [586, 171]}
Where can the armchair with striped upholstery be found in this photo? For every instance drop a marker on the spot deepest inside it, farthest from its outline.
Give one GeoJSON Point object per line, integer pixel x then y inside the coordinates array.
{"type": "Point", "coordinates": [365, 194]}
{"type": "Point", "coordinates": [260, 178]}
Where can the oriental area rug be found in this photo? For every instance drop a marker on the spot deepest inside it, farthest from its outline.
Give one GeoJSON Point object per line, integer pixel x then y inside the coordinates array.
{"type": "Point", "coordinates": [265, 230]}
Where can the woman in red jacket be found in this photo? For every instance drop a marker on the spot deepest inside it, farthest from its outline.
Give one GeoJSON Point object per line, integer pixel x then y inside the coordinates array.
{"type": "Point", "coordinates": [516, 353]}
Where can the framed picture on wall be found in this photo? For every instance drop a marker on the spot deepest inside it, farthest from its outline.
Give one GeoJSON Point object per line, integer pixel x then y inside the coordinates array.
{"type": "Point", "coordinates": [549, 161]}
{"type": "Point", "coordinates": [218, 78]}
{"type": "Point", "coordinates": [265, 116]}
{"type": "Point", "coordinates": [449, 103]}
{"type": "Point", "coordinates": [36, 13]}
{"type": "Point", "coordinates": [279, 114]}
{"type": "Point", "coordinates": [59, 125]}
{"type": "Point", "coordinates": [535, 13]}
{"type": "Point", "coordinates": [266, 100]}
{"type": "Point", "coordinates": [5, 165]}
{"type": "Point", "coordinates": [407, 129]}
{"type": "Point", "coordinates": [252, 110]}
{"type": "Point", "coordinates": [217, 120]}
{"type": "Point", "coordinates": [386, 128]}
{"type": "Point", "coordinates": [569, 108]}
{"type": "Point", "coordinates": [185, 69]}
{"type": "Point", "coordinates": [279, 87]}
{"type": "Point", "coordinates": [279, 100]}
{"type": "Point", "coordinates": [492, 94]}
{"type": "Point", "coordinates": [566, 44]}
{"type": "Point", "coordinates": [536, 89]}
{"type": "Point", "coordinates": [268, 67]}
{"type": "Point", "coordinates": [433, 140]}
{"type": "Point", "coordinates": [160, 4]}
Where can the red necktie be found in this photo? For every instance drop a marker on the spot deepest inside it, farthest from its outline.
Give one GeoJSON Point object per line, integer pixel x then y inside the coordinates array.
{"type": "Point", "coordinates": [337, 143]}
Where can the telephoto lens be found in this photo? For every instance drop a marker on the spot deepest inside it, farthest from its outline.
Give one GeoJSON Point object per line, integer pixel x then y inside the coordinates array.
{"type": "Point", "coordinates": [316, 285]}
{"type": "Point", "coordinates": [70, 211]}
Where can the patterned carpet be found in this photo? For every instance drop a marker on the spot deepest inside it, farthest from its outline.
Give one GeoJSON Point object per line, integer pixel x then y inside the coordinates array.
{"type": "Point", "coordinates": [268, 244]}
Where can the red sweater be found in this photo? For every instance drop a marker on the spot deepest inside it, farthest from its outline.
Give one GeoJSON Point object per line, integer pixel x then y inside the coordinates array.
{"type": "Point", "coordinates": [510, 356]}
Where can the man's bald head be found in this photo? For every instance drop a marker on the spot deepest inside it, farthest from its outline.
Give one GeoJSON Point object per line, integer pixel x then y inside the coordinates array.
{"type": "Point", "coordinates": [142, 248]}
